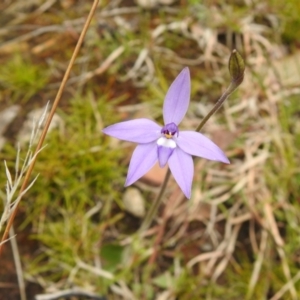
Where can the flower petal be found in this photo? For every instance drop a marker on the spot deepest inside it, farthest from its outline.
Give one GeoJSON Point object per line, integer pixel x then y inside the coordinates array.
{"type": "Point", "coordinates": [182, 168]}
{"type": "Point", "coordinates": [178, 98]}
{"type": "Point", "coordinates": [143, 159]}
{"type": "Point", "coordinates": [163, 155]}
{"type": "Point", "coordinates": [195, 143]}
{"type": "Point", "coordinates": [137, 131]}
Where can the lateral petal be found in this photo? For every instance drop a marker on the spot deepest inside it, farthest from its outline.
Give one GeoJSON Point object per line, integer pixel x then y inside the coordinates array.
{"type": "Point", "coordinates": [143, 159]}
{"type": "Point", "coordinates": [182, 168]}
{"type": "Point", "coordinates": [177, 98]}
{"type": "Point", "coordinates": [138, 131]}
{"type": "Point", "coordinates": [195, 143]}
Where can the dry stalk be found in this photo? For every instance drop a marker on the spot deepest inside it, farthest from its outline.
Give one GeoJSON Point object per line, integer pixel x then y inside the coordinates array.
{"type": "Point", "coordinates": [75, 292]}
{"type": "Point", "coordinates": [271, 225]}
{"type": "Point", "coordinates": [290, 284]}
{"type": "Point", "coordinates": [258, 263]}
{"type": "Point", "coordinates": [225, 246]}
{"type": "Point", "coordinates": [204, 257]}
{"type": "Point", "coordinates": [230, 246]}
{"type": "Point", "coordinates": [252, 236]}
{"type": "Point", "coordinates": [18, 265]}
{"type": "Point", "coordinates": [122, 290]}
{"type": "Point", "coordinates": [97, 271]}
{"type": "Point", "coordinates": [104, 66]}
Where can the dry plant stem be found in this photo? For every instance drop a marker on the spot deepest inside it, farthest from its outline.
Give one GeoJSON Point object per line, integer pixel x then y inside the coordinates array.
{"type": "Point", "coordinates": [286, 287]}
{"type": "Point", "coordinates": [69, 294]}
{"type": "Point", "coordinates": [258, 264]}
{"type": "Point", "coordinates": [49, 119]}
{"type": "Point", "coordinates": [18, 265]}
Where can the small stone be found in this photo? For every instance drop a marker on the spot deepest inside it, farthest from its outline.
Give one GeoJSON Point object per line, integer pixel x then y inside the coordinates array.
{"type": "Point", "coordinates": [134, 202]}
{"type": "Point", "coordinates": [149, 4]}
{"type": "Point", "coordinates": [7, 116]}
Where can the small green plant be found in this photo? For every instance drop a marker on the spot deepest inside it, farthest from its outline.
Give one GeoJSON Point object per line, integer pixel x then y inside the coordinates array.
{"type": "Point", "coordinates": [21, 79]}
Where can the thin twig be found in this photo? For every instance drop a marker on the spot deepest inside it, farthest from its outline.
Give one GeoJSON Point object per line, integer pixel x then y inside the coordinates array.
{"type": "Point", "coordinates": [273, 228]}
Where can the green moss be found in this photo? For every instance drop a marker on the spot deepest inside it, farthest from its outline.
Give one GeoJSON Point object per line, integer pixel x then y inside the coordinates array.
{"type": "Point", "coordinates": [21, 79]}
{"type": "Point", "coordinates": [81, 180]}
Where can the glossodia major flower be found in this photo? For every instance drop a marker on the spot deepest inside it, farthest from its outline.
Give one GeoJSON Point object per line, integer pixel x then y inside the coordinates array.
{"type": "Point", "coordinates": [167, 144]}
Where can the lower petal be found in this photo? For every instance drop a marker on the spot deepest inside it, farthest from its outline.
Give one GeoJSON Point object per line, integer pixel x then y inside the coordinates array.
{"type": "Point", "coordinates": [143, 159]}
{"type": "Point", "coordinates": [163, 154]}
{"type": "Point", "coordinates": [182, 167]}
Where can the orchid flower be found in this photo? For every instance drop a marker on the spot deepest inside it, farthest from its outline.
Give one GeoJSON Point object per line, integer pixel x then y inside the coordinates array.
{"type": "Point", "coordinates": [167, 144]}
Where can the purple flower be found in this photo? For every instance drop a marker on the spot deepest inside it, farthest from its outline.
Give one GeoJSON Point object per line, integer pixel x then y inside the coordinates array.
{"type": "Point", "coordinates": [167, 144]}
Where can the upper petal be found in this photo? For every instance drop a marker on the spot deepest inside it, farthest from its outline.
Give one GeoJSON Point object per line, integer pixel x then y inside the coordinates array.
{"type": "Point", "coordinates": [178, 98]}
{"type": "Point", "coordinates": [182, 168]}
{"type": "Point", "coordinates": [195, 143]}
{"type": "Point", "coordinates": [143, 159]}
{"type": "Point", "coordinates": [137, 131]}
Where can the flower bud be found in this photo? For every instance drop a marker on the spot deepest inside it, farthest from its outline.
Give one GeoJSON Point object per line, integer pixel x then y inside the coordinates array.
{"type": "Point", "coordinates": [236, 68]}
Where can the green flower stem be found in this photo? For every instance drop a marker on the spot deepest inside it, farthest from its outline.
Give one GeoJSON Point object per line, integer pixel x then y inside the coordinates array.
{"type": "Point", "coordinates": [155, 205]}
{"type": "Point", "coordinates": [236, 66]}
{"type": "Point", "coordinates": [219, 103]}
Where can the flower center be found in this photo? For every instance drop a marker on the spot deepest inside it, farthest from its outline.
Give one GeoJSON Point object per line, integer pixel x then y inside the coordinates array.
{"type": "Point", "coordinates": [166, 143]}
{"type": "Point", "coordinates": [170, 130]}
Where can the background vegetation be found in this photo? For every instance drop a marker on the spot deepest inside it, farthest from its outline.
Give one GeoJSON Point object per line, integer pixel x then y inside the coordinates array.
{"type": "Point", "coordinates": [239, 235]}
